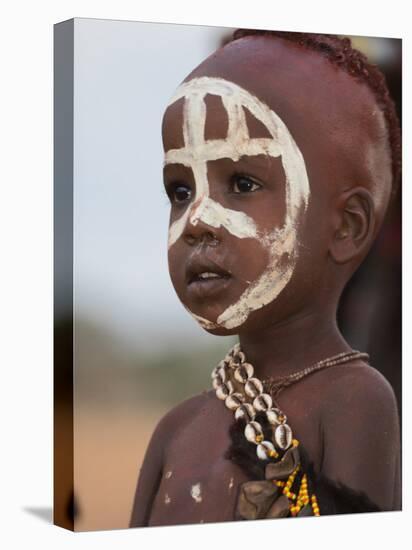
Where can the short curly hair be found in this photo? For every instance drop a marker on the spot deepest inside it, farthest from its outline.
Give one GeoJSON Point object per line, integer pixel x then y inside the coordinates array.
{"type": "Point", "coordinates": [340, 52]}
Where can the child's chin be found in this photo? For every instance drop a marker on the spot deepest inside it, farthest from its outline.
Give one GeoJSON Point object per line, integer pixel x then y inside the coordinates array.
{"type": "Point", "coordinates": [221, 331]}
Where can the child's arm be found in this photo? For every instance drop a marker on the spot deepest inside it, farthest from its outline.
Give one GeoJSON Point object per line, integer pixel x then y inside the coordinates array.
{"type": "Point", "coordinates": [361, 436]}
{"type": "Point", "coordinates": [152, 468]}
{"type": "Point", "coordinates": [149, 478]}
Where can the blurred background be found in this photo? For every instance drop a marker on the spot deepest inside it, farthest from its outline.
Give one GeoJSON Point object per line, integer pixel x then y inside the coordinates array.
{"type": "Point", "coordinates": [137, 352]}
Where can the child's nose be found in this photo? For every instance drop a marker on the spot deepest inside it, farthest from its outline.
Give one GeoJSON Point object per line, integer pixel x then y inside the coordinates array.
{"type": "Point", "coordinates": [198, 227]}
{"type": "Point", "coordinates": [198, 209]}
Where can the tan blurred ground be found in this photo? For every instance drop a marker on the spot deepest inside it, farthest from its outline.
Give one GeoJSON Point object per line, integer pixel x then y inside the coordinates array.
{"type": "Point", "coordinates": [109, 449]}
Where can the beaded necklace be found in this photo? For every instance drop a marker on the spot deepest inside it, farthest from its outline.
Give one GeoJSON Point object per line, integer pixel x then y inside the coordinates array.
{"type": "Point", "coordinates": [244, 394]}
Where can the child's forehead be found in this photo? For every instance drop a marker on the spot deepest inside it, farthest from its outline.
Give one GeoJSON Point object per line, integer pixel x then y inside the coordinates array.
{"type": "Point", "coordinates": [298, 84]}
{"type": "Point", "coordinates": [333, 118]}
{"type": "Point", "coordinates": [215, 125]}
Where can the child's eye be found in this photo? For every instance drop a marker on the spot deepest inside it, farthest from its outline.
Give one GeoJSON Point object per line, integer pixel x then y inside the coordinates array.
{"type": "Point", "coordinates": [244, 184]}
{"type": "Point", "coordinates": [180, 193]}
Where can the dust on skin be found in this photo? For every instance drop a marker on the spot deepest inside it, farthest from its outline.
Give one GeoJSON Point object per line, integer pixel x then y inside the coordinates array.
{"type": "Point", "coordinates": [281, 243]}
{"type": "Point", "coordinates": [196, 493]}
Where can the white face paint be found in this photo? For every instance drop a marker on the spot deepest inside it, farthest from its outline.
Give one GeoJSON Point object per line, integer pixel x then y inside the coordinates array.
{"type": "Point", "coordinates": [197, 152]}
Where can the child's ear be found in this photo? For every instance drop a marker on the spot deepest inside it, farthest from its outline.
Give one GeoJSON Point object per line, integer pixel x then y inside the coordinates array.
{"type": "Point", "coordinates": [354, 225]}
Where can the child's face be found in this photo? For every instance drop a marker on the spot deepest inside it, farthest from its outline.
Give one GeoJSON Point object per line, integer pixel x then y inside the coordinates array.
{"type": "Point", "coordinates": [240, 184]}
{"type": "Point", "coordinates": [240, 194]}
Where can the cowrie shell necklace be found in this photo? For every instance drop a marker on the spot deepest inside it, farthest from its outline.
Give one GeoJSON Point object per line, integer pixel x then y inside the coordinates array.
{"type": "Point", "coordinates": [235, 384]}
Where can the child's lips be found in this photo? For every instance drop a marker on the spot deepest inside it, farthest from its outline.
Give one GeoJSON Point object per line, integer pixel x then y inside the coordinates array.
{"type": "Point", "coordinates": [201, 288]}
{"type": "Point", "coordinates": [205, 277]}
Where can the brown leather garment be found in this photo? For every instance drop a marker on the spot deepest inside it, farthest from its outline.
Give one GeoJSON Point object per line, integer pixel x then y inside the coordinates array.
{"type": "Point", "coordinates": [264, 499]}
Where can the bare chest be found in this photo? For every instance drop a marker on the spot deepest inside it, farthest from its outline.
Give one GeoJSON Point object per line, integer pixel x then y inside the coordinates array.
{"type": "Point", "coordinates": [198, 484]}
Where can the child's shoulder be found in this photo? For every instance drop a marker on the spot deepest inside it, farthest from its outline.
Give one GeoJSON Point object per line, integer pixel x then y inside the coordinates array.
{"type": "Point", "coordinates": [360, 405]}
{"type": "Point", "coordinates": [359, 386]}
{"type": "Point", "coordinates": [360, 432]}
{"type": "Point", "coordinates": [185, 411]}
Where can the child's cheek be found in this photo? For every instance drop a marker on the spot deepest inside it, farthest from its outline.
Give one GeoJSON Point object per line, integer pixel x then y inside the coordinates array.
{"type": "Point", "coordinates": [177, 273]}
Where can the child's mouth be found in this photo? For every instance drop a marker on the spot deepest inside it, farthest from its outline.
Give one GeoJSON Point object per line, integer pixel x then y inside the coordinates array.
{"type": "Point", "coordinates": [207, 284]}
{"type": "Point", "coordinates": [205, 277]}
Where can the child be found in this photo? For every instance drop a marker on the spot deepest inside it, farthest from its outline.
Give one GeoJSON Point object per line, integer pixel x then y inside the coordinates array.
{"type": "Point", "coordinates": [281, 155]}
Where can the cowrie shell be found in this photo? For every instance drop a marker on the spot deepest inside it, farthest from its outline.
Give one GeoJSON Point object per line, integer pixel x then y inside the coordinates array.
{"type": "Point", "coordinates": [223, 373]}
{"type": "Point", "coordinates": [234, 400]}
{"type": "Point", "coordinates": [243, 372]}
{"type": "Point", "coordinates": [263, 449]}
{"type": "Point", "coordinates": [224, 390]}
{"type": "Point", "coordinates": [246, 412]}
{"type": "Point", "coordinates": [262, 402]}
{"type": "Point", "coordinates": [272, 417]}
{"type": "Point", "coordinates": [215, 372]}
{"type": "Point", "coordinates": [236, 347]}
{"type": "Point", "coordinates": [217, 382]}
{"type": "Point", "coordinates": [253, 429]}
{"type": "Point", "coordinates": [283, 436]}
{"type": "Point", "coordinates": [253, 387]}
{"type": "Point", "coordinates": [239, 357]}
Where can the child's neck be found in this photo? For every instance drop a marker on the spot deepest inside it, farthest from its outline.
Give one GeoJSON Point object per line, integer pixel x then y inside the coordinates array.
{"type": "Point", "coordinates": [290, 346]}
